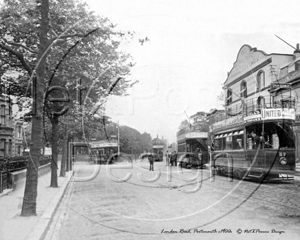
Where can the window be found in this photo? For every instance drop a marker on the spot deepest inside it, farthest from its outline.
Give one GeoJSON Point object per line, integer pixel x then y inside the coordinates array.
{"type": "Point", "coordinates": [229, 141]}
{"type": "Point", "coordinates": [188, 147]}
{"type": "Point", "coordinates": [2, 110]}
{"type": "Point", "coordinates": [260, 82]}
{"type": "Point", "coordinates": [2, 115]}
{"type": "Point", "coordinates": [260, 102]}
{"type": "Point", "coordinates": [275, 135]}
{"type": "Point", "coordinates": [220, 143]}
{"type": "Point", "coordinates": [19, 150]}
{"type": "Point", "coordinates": [19, 132]}
{"type": "Point", "coordinates": [229, 96]}
{"type": "Point", "coordinates": [238, 140]}
{"type": "Point", "coordinates": [9, 150]}
{"type": "Point", "coordinates": [181, 147]}
{"type": "Point", "coordinates": [243, 89]}
{"type": "Point", "coordinates": [2, 147]}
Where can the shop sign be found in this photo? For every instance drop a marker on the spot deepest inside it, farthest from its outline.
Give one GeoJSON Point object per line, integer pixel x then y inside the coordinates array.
{"type": "Point", "coordinates": [253, 119]}
{"type": "Point", "coordinates": [288, 113]}
{"type": "Point", "coordinates": [229, 122]}
{"type": "Point", "coordinates": [253, 116]}
{"type": "Point", "coordinates": [277, 86]}
{"type": "Point", "coordinates": [102, 145]}
{"type": "Point", "coordinates": [258, 115]}
{"type": "Point", "coordinates": [278, 114]}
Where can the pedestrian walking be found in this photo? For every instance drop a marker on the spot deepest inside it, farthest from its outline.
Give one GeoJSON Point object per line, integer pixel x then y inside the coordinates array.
{"type": "Point", "coordinates": [151, 161]}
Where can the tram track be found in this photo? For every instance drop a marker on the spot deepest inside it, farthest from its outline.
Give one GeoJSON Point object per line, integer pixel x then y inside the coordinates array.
{"type": "Point", "coordinates": [246, 195]}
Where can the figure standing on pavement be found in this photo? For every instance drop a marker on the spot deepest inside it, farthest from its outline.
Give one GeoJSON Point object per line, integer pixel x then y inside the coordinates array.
{"type": "Point", "coordinates": [151, 161]}
{"type": "Point", "coordinates": [174, 158]}
{"type": "Point", "coordinates": [167, 158]}
{"type": "Point", "coordinates": [111, 156]}
{"type": "Point", "coordinates": [171, 159]}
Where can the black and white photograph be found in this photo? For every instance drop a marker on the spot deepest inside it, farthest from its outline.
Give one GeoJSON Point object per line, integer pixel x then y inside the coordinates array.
{"type": "Point", "coordinates": [149, 119]}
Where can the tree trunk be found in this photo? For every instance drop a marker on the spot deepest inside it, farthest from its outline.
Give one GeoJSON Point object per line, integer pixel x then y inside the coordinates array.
{"type": "Point", "coordinates": [64, 153]}
{"type": "Point", "coordinates": [30, 193]}
{"type": "Point", "coordinates": [54, 139]}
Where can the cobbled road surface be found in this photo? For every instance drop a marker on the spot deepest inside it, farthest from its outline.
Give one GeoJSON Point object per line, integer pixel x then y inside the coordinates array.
{"type": "Point", "coordinates": [127, 201]}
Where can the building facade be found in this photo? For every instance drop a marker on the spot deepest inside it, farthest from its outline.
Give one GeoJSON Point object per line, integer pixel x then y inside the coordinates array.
{"type": "Point", "coordinates": [252, 74]}
{"type": "Point", "coordinates": [17, 144]}
{"type": "Point", "coordinates": [11, 132]}
{"type": "Point", "coordinates": [6, 128]}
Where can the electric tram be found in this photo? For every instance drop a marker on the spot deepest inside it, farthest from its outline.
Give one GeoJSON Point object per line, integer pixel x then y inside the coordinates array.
{"type": "Point", "coordinates": [255, 139]}
{"type": "Point", "coordinates": [158, 148]}
{"type": "Point", "coordinates": [102, 151]}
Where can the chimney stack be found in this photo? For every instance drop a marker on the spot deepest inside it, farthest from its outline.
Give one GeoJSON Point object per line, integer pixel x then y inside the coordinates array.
{"type": "Point", "coordinates": [297, 51]}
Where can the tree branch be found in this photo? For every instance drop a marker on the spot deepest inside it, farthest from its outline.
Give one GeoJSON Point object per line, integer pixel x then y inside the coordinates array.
{"type": "Point", "coordinates": [20, 45]}
{"type": "Point", "coordinates": [66, 36]}
{"type": "Point", "coordinates": [74, 35]}
{"type": "Point", "coordinates": [20, 56]}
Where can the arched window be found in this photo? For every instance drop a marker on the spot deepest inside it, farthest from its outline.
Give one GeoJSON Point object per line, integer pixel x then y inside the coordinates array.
{"type": "Point", "coordinates": [260, 81]}
{"type": "Point", "coordinates": [243, 89]}
{"type": "Point", "coordinates": [260, 102]}
{"type": "Point", "coordinates": [229, 96]}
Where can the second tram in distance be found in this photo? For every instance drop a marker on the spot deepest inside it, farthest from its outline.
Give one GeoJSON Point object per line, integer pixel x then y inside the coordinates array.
{"type": "Point", "coordinates": [158, 148]}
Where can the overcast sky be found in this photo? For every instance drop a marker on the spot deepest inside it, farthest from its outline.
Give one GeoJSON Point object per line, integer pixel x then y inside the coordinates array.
{"type": "Point", "coordinates": [193, 44]}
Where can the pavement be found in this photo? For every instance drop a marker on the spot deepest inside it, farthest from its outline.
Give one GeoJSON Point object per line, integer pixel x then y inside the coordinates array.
{"type": "Point", "coordinates": [15, 227]}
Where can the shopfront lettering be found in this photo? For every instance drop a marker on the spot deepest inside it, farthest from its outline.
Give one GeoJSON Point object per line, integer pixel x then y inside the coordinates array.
{"type": "Point", "coordinates": [278, 113]}
{"type": "Point", "coordinates": [258, 115]}
{"type": "Point", "coordinates": [273, 113]}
